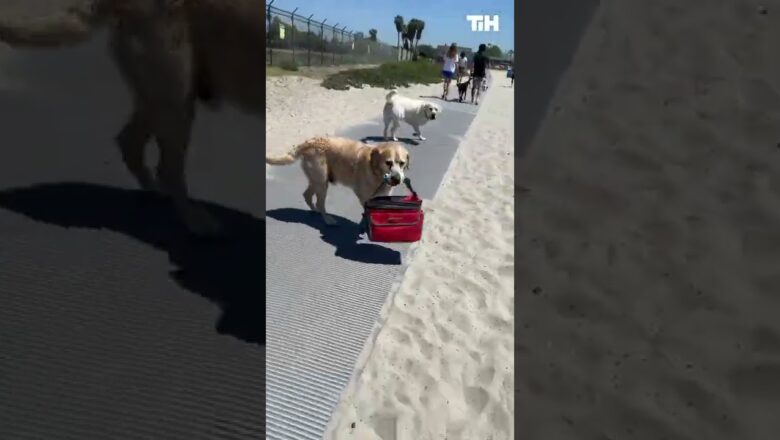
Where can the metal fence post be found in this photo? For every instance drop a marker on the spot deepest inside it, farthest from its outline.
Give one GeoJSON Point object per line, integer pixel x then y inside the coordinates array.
{"type": "Point", "coordinates": [341, 44]}
{"type": "Point", "coordinates": [333, 54]}
{"type": "Point", "coordinates": [351, 44]}
{"type": "Point", "coordinates": [308, 40]}
{"type": "Point", "coordinates": [268, 36]}
{"type": "Point", "coordinates": [292, 35]}
{"type": "Point", "coordinates": [322, 42]}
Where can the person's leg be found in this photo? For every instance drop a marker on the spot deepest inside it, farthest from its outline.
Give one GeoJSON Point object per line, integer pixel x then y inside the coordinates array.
{"type": "Point", "coordinates": [476, 89]}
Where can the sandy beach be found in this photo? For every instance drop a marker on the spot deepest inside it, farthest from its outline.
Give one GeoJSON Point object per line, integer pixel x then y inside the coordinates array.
{"type": "Point", "coordinates": [441, 362]}
{"type": "Point", "coordinates": [649, 211]}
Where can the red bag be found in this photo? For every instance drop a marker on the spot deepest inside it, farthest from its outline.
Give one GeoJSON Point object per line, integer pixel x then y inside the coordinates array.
{"type": "Point", "coordinates": [394, 219]}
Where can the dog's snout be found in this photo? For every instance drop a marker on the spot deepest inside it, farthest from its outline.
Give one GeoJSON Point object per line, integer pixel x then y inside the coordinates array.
{"type": "Point", "coordinates": [395, 180]}
{"type": "Point", "coordinates": [433, 116]}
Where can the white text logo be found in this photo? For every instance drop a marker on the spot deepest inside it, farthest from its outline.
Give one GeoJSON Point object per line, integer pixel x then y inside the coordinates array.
{"type": "Point", "coordinates": [483, 23]}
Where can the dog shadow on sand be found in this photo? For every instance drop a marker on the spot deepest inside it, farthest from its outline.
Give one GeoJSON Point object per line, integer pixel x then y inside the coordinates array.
{"type": "Point", "coordinates": [344, 236]}
{"type": "Point", "coordinates": [380, 139]}
{"type": "Point", "coordinates": [227, 271]}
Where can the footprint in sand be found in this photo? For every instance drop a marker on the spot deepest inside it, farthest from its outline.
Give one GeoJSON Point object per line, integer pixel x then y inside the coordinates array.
{"type": "Point", "coordinates": [444, 334]}
{"type": "Point", "coordinates": [476, 398]}
{"type": "Point", "coordinates": [400, 337]}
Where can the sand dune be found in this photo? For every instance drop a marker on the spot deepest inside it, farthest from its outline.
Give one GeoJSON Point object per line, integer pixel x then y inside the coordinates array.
{"type": "Point", "coordinates": [649, 230]}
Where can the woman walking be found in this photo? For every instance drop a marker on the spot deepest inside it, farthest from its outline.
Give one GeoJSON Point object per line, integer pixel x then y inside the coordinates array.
{"type": "Point", "coordinates": [449, 68]}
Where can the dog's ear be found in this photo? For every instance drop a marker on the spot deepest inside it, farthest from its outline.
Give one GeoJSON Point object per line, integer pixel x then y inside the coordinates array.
{"type": "Point", "coordinates": [376, 160]}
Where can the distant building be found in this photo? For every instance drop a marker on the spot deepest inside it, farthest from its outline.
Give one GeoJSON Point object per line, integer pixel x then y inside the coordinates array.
{"type": "Point", "coordinates": [501, 63]}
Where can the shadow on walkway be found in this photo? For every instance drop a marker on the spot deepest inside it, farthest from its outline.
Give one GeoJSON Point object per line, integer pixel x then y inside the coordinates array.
{"type": "Point", "coordinates": [343, 236]}
{"type": "Point", "coordinates": [227, 271]}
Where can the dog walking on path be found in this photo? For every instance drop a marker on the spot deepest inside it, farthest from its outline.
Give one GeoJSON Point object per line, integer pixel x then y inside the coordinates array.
{"type": "Point", "coordinates": [370, 171]}
{"type": "Point", "coordinates": [415, 112]}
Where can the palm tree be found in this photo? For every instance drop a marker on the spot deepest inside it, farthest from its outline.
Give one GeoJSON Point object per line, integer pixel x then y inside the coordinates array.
{"type": "Point", "coordinates": [409, 33]}
{"type": "Point", "coordinates": [418, 34]}
{"type": "Point", "coordinates": [399, 28]}
{"type": "Point", "coordinates": [405, 39]}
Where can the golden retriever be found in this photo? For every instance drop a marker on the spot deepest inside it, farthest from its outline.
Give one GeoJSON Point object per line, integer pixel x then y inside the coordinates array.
{"type": "Point", "coordinates": [368, 171]}
{"type": "Point", "coordinates": [171, 53]}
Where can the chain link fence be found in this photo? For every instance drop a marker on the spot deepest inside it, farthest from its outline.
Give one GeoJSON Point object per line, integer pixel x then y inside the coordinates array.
{"type": "Point", "coordinates": [293, 39]}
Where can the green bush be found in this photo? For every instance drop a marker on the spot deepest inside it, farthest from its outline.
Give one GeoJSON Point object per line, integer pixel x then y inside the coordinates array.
{"type": "Point", "coordinates": [289, 65]}
{"type": "Point", "coordinates": [388, 76]}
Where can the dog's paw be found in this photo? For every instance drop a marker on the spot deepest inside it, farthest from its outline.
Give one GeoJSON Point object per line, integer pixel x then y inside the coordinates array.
{"type": "Point", "coordinates": [395, 139]}
{"type": "Point", "coordinates": [420, 137]}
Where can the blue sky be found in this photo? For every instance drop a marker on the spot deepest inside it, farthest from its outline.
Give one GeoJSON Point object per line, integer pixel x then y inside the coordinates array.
{"type": "Point", "coordinates": [445, 20]}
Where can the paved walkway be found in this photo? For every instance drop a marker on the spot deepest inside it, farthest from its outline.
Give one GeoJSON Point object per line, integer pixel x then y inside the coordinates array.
{"type": "Point", "coordinates": [325, 290]}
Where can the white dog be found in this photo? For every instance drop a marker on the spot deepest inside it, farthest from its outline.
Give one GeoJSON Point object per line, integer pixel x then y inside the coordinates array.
{"type": "Point", "coordinates": [413, 111]}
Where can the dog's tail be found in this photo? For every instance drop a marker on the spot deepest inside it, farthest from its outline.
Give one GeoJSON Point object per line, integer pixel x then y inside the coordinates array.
{"type": "Point", "coordinates": [285, 159]}
{"type": "Point", "coordinates": [312, 146]}
{"type": "Point", "coordinates": [74, 26]}
{"type": "Point", "coordinates": [290, 156]}
{"type": "Point", "coordinates": [390, 96]}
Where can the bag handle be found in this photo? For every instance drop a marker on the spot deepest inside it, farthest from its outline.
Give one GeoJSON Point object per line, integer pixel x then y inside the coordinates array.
{"type": "Point", "coordinates": [408, 184]}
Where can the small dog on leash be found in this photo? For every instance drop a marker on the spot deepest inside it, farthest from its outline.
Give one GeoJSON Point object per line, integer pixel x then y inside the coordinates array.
{"type": "Point", "coordinates": [462, 89]}
{"type": "Point", "coordinates": [415, 112]}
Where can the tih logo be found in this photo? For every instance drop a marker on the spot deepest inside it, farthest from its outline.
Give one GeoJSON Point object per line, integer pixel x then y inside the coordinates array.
{"type": "Point", "coordinates": [483, 23]}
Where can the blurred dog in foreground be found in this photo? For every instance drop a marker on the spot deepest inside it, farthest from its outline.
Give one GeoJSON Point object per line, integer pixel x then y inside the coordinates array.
{"type": "Point", "coordinates": [171, 53]}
